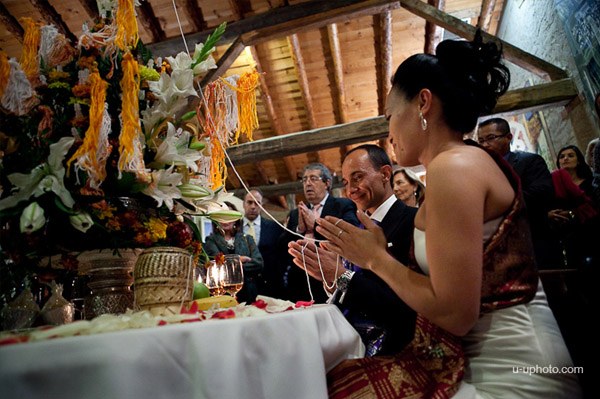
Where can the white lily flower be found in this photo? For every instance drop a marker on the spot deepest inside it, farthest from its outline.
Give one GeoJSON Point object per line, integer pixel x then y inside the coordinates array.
{"type": "Point", "coordinates": [163, 187]}
{"type": "Point", "coordinates": [180, 62]}
{"type": "Point", "coordinates": [43, 178]}
{"type": "Point", "coordinates": [82, 221]}
{"type": "Point", "coordinates": [174, 150]}
{"type": "Point", "coordinates": [32, 218]}
{"type": "Point", "coordinates": [205, 65]}
{"type": "Point", "coordinates": [182, 83]}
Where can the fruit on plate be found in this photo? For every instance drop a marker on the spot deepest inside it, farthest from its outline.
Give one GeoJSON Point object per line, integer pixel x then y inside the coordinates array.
{"type": "Point", "coordinates": [200, 291]}
{"type": "Point", "coordinates": [222, 301]}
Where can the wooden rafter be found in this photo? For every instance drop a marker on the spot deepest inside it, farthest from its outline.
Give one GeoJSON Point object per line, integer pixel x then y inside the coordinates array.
{"type": "Point", "coordinates": [91, 7]}
{"type": "Point", "coordinates": [51, 16]}
{"type": "Point", "coordinates": [433, 33]}
{"type": "Point", "coordinates": [150, 22]}
{"type": "Point", "coordinates": [11, 23]}
{"type": "Point", "coordinates": [385, 68]}
{"type": "Point", "coordinates": [194, 12]}
{"type": "Point", "coordinates": [548, 94]}
{"type": "Point", "coordinates": [485, 16]}
{"type": "Point", "coordinates": [338, 74]}
{"type": "Point", "coordinates": [281, 22]}
{"type": "Point", "coordinates": [300, 69]}
{"type": "Point", "coordinates": [513, 54]}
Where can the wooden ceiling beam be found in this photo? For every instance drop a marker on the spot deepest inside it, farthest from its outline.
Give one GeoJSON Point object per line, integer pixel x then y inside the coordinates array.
{"type": "Point", "coordinates": [194, 12]}
{"type": "Point", "coordinates": [294, 45]}
{"type": "Point", "coordinates": [338, 74]}
{"type": "Point", "coordinates": [383, 22]}
{"type": "Point", "coordinates": [51, 16]}
{"type": "Point", "coordinates": [150, 22]}
{"type": "Point", "coordinates": [11, 23]}
{"type": "Point", "coordinates": [535, 97]}
{"type": "Point", "coordinates": [513, 54]}
{"type": "Point", "coordinates": [91, 7]}
{"type": "Point", "coordinates": [485, 16]}
{"type": "Point", "coordinates": [433, 33]}
{"type": "Point", "coordinates": [284, 21]}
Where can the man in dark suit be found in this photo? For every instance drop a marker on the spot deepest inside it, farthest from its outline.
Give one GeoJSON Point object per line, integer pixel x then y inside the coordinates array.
{"type": "Point", "coordinates": [368, 302]}
{"type": "Point", "coordinates": [536, 182]}
{"type": "Point", "coordinates": [317, 182]}
{"type": "Point", "coordinates": [266, 233]}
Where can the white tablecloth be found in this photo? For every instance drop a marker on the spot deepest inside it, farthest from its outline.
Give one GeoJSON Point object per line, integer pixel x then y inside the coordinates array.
{"type": "Point", "coordinates": [280, 356]}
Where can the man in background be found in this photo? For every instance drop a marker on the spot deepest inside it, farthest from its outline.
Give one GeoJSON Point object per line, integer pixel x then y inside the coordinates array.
{"type": "Point", "coordinates": [384, 321]}
{"type": "Point", "coordinates": [266, 234]}
{"type": "Point", "coordinates": [494, 134]}
{"type": "Point", "coordinates": [317, 182]}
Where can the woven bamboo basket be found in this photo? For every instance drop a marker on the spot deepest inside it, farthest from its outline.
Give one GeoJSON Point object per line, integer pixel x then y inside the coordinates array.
{"type": "Point", "coordinates": [163, 280]}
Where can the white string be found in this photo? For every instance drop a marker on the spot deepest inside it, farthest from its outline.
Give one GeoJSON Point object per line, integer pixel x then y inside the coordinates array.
{"type": "Point", "coordinates": [187, 50]}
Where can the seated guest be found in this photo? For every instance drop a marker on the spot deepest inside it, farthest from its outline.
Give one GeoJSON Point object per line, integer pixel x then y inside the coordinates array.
{"type": "Point", "coordinates": [317, 182]}
{"type": "Point", "coordinates": [228, 238]}
{"type": "Point", "coordinates": [481, 313]}
{"type": "Point", "coordinates": [408, 187]}
{"type": "Point", "coordinates": [384, 322]}
{"type": "Point", "coordinates": [266, 233]}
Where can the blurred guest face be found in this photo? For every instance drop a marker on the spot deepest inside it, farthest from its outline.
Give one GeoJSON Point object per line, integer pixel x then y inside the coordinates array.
{"type": "Point", "coordinates": [365, 185]}
{"type": "Point", "coordinates": [494, 140]}
{"type": "Point", "coordinates": [567, 159]}
{"type": "Point", "coordinates": [251, 206]}
{"type": "Point", "coordinates": [403, 188]}
{"type": "Point", "coordinates": [315, 188]}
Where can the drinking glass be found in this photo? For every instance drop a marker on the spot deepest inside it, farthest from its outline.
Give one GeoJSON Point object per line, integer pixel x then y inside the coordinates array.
{"type": "Point", "coordinates": [234, 275]}
{"type": "Point", "coordinates": [215, 274]}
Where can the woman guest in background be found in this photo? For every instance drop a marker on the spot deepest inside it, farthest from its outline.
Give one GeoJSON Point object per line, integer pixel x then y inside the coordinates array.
{"type": "Point", "coordinates": [575, 216]}
{"type": "Point", "coordinates": [480, 282]}
{"type": "Point", "coordinates": [228, 238]}
{"type": "Point", "coordinates": [408, 187]}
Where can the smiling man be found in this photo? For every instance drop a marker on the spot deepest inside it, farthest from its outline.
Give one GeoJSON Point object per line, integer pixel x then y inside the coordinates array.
{"type": "Point", "coordinates": [316, 181]}
{"type": "Point", "coordinates": [384, 322]}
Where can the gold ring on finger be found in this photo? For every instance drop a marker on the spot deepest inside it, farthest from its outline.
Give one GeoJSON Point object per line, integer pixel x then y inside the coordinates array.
{"type": "Point", "coordinates": [340, 233]}
{"type": "Point", "coordinates": [336, 223]}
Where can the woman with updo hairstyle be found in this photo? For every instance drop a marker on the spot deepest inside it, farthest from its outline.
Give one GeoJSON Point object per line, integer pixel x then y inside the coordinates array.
{"type": "Point", "coordinates": [484, 328]}
{"type": "Point", "coordinates": [408, 188]}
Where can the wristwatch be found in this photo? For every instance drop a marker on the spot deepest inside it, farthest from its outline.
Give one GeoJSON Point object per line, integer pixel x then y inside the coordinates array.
{"type": "Point", "coordinates": [343, 281]}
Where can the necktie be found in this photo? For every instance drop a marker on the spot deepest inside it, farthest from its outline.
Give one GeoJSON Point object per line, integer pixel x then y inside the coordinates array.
{"type": "Point", "coordinates": [317, 210]}
{"type": "Point", "coordinates": [251, 232]}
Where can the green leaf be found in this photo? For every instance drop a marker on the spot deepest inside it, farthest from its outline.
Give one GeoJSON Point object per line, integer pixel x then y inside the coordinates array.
{"type": "Point", "coordinates": [188, 115]}
{"type": "Point", "coordinates": [190, 222]}
{"type": "Point", "coordinates": [62, 207]}
{"type": "Point", "coordinates": [211, 41]}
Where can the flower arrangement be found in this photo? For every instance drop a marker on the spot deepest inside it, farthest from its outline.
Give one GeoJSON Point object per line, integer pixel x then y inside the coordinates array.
{"type": "Point", "coordinates": [103, 146]}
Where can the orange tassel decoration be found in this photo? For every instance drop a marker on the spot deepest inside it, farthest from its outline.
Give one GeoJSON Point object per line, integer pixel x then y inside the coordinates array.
{"type": "Point", "coordinates": [4, 72]}
{"type": "Point", "coordinates": [91, 156]}
{"type": "Point", "coordinates": [212, 121]}
{"type": "Point", "coordinates": [127, 28]}
{"type": "Point", "coordinates": [246, 95]}
{"type": "Point", "coordinates": [130, 141]}
{"type": "Point", "coordinates": [31, 43]}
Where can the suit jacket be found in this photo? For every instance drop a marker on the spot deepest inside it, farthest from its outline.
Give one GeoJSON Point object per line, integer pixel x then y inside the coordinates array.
{"type": "Point", "coordinates": [538, 193]}
{"type": "Point", "coordinates": [369, 299]}
{"type": "Point", "coordinates": [267, 245]}
{"type": "Point", "coordinates": [294, 278]}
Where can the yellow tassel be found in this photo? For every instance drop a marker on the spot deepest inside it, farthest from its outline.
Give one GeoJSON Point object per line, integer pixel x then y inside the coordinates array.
{"type": "Point", "coordinates": [130, 146]}
{"type": "Point", "coordinates": [31, 42]}
{"type": "Point", "coordinates": [4, 72]}
{"type": "Point", "coordinates": [127, 28]}
{"type": "Point", "coordinates": [87, 153]}
{"type": "Point", "coordinates": [247, 103]}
